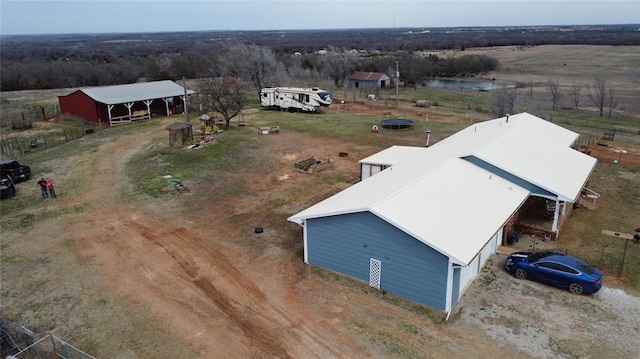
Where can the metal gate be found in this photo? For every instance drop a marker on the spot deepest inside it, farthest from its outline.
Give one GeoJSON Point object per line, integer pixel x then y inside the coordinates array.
{"type": "Point", "coordinates": [375, 272]}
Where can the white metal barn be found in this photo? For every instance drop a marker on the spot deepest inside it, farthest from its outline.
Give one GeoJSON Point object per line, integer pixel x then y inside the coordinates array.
{"type": "Point", "coordinates": [424, 220]}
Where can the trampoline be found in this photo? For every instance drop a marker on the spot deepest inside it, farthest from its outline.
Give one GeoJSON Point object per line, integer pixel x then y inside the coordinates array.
{"type": "Point", "coordinates": [396, 123]}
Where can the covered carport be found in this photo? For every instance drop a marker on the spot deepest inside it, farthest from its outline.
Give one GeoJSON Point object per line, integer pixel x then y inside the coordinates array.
{"type": "Point", "coordinates": [119, 104]}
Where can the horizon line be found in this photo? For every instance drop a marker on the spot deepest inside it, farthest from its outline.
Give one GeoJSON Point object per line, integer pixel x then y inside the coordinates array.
{"type": "Point", "coordinates": [318, 29]}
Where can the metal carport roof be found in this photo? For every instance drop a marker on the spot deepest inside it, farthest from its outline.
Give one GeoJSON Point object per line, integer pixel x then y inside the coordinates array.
{"type": "Point", "coordinates": [117, 94]}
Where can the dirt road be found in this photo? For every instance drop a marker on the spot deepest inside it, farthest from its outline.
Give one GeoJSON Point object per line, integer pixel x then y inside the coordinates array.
{"type": "Point", "coordinates": [211, 296]}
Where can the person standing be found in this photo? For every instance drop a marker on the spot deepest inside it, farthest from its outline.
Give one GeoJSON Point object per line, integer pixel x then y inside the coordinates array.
{"type": "Point", "coordinates": [43, 187]}
{"type": "Point", "coordinates": [51, 187]}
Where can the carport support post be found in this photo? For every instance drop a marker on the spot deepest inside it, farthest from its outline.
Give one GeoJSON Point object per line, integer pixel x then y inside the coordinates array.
{"type": "Point", "coordinates": [184, 99]}
{"type": "Point", "coordinates": [129, 105]}
{"type": "Point", "coordinates": [109, 108]}
{"type": "Point", "coordinates": [148, 103]}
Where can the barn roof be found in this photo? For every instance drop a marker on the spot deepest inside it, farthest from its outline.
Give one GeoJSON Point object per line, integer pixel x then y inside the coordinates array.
{"type": "Point", "coordinates": [117, 94]}
{"type": "Point", "coordinates": [367, 76]}
{"type": "Point", "coordinates": [526, 146]}
{"type": "Point", "coordinates": [439, 183]}
{"type": "Point", "coordinates": [468, 206]}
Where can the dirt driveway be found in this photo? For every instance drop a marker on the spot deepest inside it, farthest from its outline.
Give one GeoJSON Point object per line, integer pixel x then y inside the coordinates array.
{"type": "Point", "coordinates": [227, 301]}
{"type": "Point", "coordinates": [197, 287]}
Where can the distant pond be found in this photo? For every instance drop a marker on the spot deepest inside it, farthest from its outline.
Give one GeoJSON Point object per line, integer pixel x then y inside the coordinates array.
{"type": "Point", "coordinates": [462, 85]}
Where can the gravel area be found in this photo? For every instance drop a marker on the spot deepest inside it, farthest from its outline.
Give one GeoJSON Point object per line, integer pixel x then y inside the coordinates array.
{"type": "Point", "coordinates": [547, 322]}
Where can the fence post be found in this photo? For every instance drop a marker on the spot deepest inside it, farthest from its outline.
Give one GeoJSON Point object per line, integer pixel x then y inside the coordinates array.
{"type": "Point", "coordinates": [624, 254]}
{"type": "Point", "coordinates": [20, 147]}
{"type": "Point", "coordinates": [8, 146]}
{"type": "Point", "coordinates": [64, 131]}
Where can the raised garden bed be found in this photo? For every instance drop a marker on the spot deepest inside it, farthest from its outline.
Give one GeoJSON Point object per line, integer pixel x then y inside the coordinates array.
{"type": "Point", "coordinates": [311, 165]}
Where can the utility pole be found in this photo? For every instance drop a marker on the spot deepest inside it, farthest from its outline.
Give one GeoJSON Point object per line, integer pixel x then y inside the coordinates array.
{"type": "Point", "coordinates": [186, 107]}
{"type": "Point", "coordinates": [397, 82]}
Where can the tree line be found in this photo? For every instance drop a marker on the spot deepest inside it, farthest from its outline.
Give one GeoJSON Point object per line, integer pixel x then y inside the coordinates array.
{"type": "Point", "coordinates": [67, 61]}
{"type": "Point", "coordinates": [336, 64]}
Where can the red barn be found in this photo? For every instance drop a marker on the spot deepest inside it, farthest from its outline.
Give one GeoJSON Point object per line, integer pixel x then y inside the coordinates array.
{"type": "Point", "coordinates": [125, 103]}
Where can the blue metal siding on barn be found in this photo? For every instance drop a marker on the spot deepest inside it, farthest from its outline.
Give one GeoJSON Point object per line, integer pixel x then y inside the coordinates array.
{"type": "Point", "coordinates": [410, 268]}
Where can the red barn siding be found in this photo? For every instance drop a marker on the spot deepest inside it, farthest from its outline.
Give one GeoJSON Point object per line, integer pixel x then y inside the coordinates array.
{"type": "Point", "coordinates": [80, 105]}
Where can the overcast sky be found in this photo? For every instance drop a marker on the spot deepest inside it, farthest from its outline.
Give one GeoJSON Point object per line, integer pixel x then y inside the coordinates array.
{"type": "Point", "coordinates": [100, 16]}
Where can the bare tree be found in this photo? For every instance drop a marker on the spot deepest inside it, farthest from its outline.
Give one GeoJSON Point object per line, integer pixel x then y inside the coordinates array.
{"type": "Point", "coordinates": [534, 106]}
{"type": "Point", "coordinates": [603, 95]}
{"type": "Point", "coordinates": [576, 93]}
{"type": "Point", "coordinates": [226, 97]}
{"type": "Point", "coordinates": [612, 102]}
{"type": "Point", "coordinates": [339, 64]}
{"type": "Point", "coordinates": [255, 64]}
{"type": "Point", "coordinates": [301, 66]}
{"type": "Point", "coordinates": [598, 94]}
{"type": "Point", "coordinates": [556, 94]}
{"type": "Point", "coordinates": [502, 100]}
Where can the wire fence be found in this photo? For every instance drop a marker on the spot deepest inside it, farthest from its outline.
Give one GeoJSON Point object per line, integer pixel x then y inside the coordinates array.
{"type": "Point", "coordinates": [21, 145]}
{"type": "Point", "coordinates": [606, 259]}
{"type": "Point", "coordinates": [51, 346]}
{"type": "Point", "coordinates": [21, 140]}
{"type": "Point", "coordinates": [21, 343]}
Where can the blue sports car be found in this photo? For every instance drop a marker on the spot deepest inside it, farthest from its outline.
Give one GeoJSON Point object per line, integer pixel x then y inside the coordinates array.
{"type": "Point", "coordinates": [556, 269]}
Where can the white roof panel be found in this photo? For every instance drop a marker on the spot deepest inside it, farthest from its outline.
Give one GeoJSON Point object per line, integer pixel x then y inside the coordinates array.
{"type": "Point", "coordinates": [117, 94]}
{"type": "Point", "coordinates": [394, 154]}
{"type": "Point", "coordinates": [455, 209]}
{"type": "Point", "coordinates": [558, 169]}
{"type": "Point", "coordinates": [360, 196]}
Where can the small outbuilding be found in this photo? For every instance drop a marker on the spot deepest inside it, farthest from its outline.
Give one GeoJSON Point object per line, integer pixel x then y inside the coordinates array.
{"type": "Point", "coordinates": [180, 133]}
{"type": "Point", "coordinates": [125, 103]}
{"type": "Point", "coordinates": [369, 80]}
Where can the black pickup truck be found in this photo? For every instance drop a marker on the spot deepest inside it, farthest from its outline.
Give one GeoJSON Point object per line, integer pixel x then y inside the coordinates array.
{"type": "Point", "coordinates": [14, 170]}
{"type": "Point", "coordinates": [7, 190]}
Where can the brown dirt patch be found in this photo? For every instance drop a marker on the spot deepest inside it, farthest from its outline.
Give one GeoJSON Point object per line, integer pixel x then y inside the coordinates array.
{"type": "Point", "coordinates": [415, 113]}
{"type": "Point", "coordinates": [626, 154]}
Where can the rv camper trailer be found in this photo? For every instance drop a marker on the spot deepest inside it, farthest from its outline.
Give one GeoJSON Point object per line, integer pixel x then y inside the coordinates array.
{"type": "Point", "coordinates": [294, 99]}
